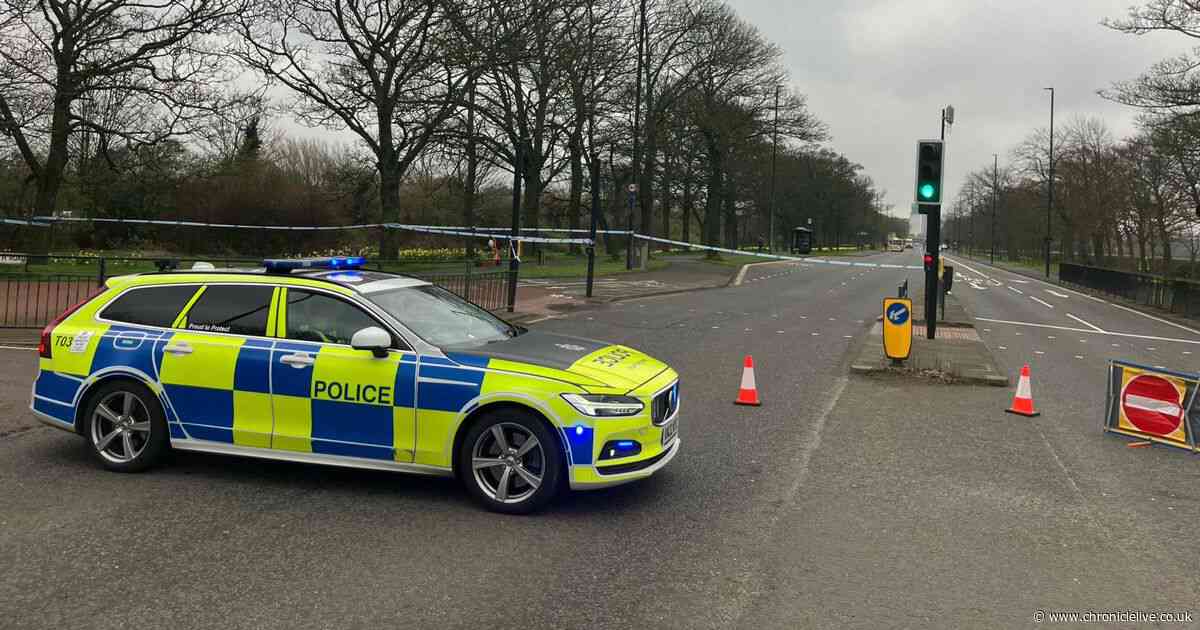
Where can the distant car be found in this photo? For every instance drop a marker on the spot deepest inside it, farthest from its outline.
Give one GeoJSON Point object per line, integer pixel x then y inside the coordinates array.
{"type": "Point", "coordinates": [319, 361]}
{"type": "Point", "coordinates": [908, 245]}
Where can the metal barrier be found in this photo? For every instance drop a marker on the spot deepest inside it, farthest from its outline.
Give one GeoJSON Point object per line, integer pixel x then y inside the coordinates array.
{"type": "Point", "coordinates": [488, 289]}
{"type": "Point", "coordinates": [31, 301]}
{"type": "Point", "coordinates": [1177, 296]}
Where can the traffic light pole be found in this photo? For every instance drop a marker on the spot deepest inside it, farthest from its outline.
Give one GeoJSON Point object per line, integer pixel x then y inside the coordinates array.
{"type": "Point", "coordinates": [933, 238]}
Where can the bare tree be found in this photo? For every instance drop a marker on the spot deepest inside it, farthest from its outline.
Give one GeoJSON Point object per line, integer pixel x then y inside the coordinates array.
{"type": "Point", "coordinates": [159, 56]}
{"type": "Point", "coordinates": [390, 71]}
{"type": "Point", "coordinates": [1171, 84]}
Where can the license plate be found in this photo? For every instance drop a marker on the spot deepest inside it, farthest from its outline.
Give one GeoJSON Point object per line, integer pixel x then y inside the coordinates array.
{"type": "Point", "coordinates": [669, 431]}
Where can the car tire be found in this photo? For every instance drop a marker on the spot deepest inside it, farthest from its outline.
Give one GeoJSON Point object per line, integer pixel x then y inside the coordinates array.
{"type": "Point", "coordinates": [125, 428]}
{"type": "Point", "coordinates": [511, 462]}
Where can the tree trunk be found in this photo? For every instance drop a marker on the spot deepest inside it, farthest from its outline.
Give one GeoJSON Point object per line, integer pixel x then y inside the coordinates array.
{"type": "Point", "coordinates": [712, 206]}
{"type": "Point", "coordinates": [731, 219]}
{"type": "Point", "coordinates": [575, 196]}
{"type": "Point", "coordinates": [688, 205]}
{"type": "Point", "coordinates": [50, 179]}
{"type": "Point", "coordinates": [389, 203]}
{"type": "Point", "coordinates": [666, 200]}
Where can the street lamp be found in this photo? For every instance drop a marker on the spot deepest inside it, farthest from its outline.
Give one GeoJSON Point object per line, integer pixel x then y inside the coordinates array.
{"type": "Point", "coordinates": [1050, 195]}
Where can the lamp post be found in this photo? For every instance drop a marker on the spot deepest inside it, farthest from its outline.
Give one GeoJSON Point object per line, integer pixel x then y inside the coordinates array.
{"type": "Point", "coordinates": [995, 192]}
{"type": "Point", "coordinates": [1050, 195]}
{"type": "Point", "coordinates": [774, 152]}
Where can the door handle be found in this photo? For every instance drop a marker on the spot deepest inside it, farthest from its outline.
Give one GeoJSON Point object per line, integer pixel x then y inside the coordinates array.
{"type": "Point", "coordinates": [297, 360]}
{"type": "Point", "coordinates": [179, 348]}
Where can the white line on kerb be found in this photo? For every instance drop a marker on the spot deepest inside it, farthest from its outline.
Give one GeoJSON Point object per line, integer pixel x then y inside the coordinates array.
{"type": "Point", "coordinates": [1092, 326]}
{"type": "Point", "coordinates": [1043, 303]}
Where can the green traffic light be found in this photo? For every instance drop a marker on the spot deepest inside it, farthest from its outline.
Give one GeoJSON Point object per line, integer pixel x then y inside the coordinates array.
{"type": "Point", "coordinates": [927, 191]}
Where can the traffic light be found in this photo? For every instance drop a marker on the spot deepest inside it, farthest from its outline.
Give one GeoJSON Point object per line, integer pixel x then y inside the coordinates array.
{"type": "Point", "coordinates": [929, 172]}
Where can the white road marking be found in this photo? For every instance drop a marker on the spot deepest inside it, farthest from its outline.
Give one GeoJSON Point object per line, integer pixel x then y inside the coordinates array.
{"type": "Point", "coordinates": [1019, 281]}
{"type": "Point", "coordinates": [1043, 303]}
{"type": "Point", "coordinates": [1157, 319]}
{"type": "Point", "coordinates": [18, 348]}
{"type": "Point", "coordinates": [1015, 290]}
{"type": "Point", "coordinates": [816, 334]}
{"type": "Point", "coordinates": [1152, 349]}
{"type": "Point", "coordinates": [1085, 330]}
{"type": "Point", "coordinates": [1093, 327]}
{"type": "Point", "coordinates": [1038, 352]}
{"type": "Point", "coordinates": [1051, 337]}
{"type": "Point", "coordinates": [1004, 347]}
{"type": "Point", "coordinates": [1187, 351]}
{"type": "Point", "coordinates": [1096, 299]}
{"type": "Point", "coordinates": [1057, 294]}
{"type": "Point", "coordinates": [1079, 356]}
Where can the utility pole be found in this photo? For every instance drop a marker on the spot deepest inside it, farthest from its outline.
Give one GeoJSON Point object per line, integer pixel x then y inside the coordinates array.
{"type": "Point", "coordinates": [594, 171]}
{"type": "Point", "coordinates": [514, 263]}
{"type": "Point", "coordinates": [995, 193]}
{"type": "Point", "coordinates": [774, 153]}
{"type": "Point", "coordinates": [637, 119]}
{"type": "Point", "coordinates": [1050, 196]}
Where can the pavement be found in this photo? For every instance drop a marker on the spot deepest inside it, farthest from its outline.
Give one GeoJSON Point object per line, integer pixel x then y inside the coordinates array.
{"type": "Point", "coordinates": [842, 502]}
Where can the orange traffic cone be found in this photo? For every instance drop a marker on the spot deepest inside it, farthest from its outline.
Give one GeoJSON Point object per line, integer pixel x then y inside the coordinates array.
{"type": "Point", "coordinates": [748, 394]}
{"type": "Point", "coordinates": [1022, 403]}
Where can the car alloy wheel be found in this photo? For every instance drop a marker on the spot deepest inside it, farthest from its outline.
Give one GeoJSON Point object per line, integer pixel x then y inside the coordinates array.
{"type": "Point", "coordinates": [120, 427]}
{"type": "Point", "coordinates": [508, 463]}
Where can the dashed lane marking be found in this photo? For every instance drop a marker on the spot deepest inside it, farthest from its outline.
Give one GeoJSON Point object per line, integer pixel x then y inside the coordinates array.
{"type": "Point", "coordinates": [1042, 302]}
{"type": "Point", "coordinates": [1057, 294]}
{"type": "Point", "coordinates": [1015, 290]}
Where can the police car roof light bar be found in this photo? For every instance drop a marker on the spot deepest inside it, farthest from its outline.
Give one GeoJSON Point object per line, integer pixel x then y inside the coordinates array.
{"type": "Point", "coordinates": [285, 265]}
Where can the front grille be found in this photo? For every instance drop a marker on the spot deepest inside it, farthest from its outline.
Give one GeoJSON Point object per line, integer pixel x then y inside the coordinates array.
{"type": "Point", "coordinates": [664, 404]}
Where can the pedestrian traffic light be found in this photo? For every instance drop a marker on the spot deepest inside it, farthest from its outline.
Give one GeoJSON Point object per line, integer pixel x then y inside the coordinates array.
{"type": "Point", "coordinates": [929, 173]}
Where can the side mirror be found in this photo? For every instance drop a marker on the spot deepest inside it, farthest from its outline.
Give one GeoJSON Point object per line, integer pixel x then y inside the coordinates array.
{"type": "Point", "coordinates": [372, 338]}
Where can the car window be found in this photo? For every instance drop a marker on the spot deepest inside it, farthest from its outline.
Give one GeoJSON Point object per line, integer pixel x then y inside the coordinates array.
{"type": "Point", "coordinates": [235, 309]}
{"type": "Point", "coordinates": [441, 317]}
{"type": "Point", "coordinates": [150, 306]}
{"type": "Point", "coordinates": [322, 318]}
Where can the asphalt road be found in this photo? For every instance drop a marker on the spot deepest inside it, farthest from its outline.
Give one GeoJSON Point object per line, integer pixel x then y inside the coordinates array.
{"type": "Point", "coordinates": [841, 502]}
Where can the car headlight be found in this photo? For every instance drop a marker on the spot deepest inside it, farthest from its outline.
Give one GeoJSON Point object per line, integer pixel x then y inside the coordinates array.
{"type": "Point", "coordinates": [599, 405]}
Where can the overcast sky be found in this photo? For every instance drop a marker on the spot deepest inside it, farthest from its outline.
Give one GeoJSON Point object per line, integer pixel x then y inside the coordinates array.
{"type": "Point", "coordinates": [878, 73]}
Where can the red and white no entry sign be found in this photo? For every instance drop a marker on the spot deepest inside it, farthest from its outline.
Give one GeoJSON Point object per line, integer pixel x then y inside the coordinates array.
{"type": "Point", "coordinates": [1153, 404]}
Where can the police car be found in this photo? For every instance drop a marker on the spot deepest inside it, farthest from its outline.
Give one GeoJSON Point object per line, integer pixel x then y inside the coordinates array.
{"type": "Point", "coordinates": [322, 361]}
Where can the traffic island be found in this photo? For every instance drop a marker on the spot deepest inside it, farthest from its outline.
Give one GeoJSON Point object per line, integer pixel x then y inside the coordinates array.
{"type": "Point", "coordinates": [957, 356]}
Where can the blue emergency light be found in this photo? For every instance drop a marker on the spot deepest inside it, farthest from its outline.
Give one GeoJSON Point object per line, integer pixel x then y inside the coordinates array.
{"type": "Point", "coordinates": [329, 262]}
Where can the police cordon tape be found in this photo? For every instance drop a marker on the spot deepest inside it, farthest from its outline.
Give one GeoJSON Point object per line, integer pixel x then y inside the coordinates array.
{"type": "Point", "coordinates": [429, 229]}
{"type": "Point", "coordinates": [739, 252]}
{"type": "Point", "coordinates": [489, 233]}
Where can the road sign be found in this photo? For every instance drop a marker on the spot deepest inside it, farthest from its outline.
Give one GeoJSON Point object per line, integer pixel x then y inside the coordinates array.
{"type": "Point", "coordinates": [1153, 404]}
{"type": "Point", "coordinates": [897, 328]}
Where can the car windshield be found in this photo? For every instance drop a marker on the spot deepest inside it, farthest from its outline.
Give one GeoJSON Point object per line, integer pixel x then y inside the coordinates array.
{"type": "Point", "coordinates": [441, 317]}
